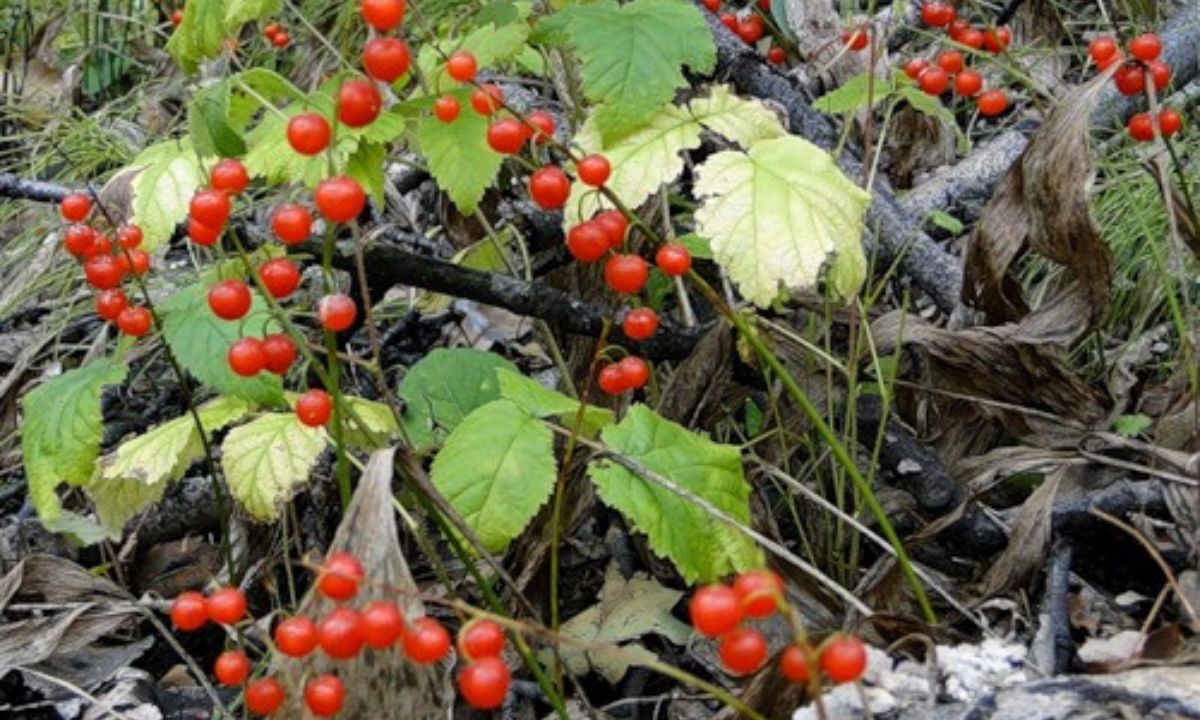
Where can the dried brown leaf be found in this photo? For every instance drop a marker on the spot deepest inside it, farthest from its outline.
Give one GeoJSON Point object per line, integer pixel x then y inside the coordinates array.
{"type": "Point", "coordinates": [1030, 538]}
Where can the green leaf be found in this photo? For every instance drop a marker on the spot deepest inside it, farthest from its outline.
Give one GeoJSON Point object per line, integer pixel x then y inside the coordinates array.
{"type": "Point", "coordinates": [633, 57]}
{"type": "Point", "coordinates": [933, 107]}
{"type": "Point", "coordinates": [60, 437]}
{"type": "Point", "coordinates": [696, 245]}
{"type": "Point", "coordinates": [778, 214]}
{"type": "Point", "coordinates": [239, 12]}
{"type": "Point", "coordinates": [376, 416]}
{"type": "Point", "coordinates": [366, 166]}
{"type": "Point", "coordinates": [650, 156]}
{"type": "Point", "coordinates": [445, 387]}
{"type": "Point", "coordinates": [266, 459]}
{"type": "Point", "coordinates": [542, 402]}
{"type": "Point", "coordinates": [162, 180]}
{"type": "Point", "coordinates": [208, 119]}
{"type": "Point", "coordinates": [458, 155]}
{"type": "Point", "coordinates": [199, 339]}
{"type": "Point", "coordinates": [852, 95]}
{"type": "Point", "coordinates": [702, 547]}
{"type": "Point", "coordinates": [206, 23]}
{"type": "Point", "coordinates": [946, 221]}
{"type": "Point", "coordinates": [1131, 426]}
{"type": "Point", "coordinates": [138, 471]}
{"type": "Point", "coordinates": [497, 469]}
{"type": "Point", "coordinates": [492, 44]}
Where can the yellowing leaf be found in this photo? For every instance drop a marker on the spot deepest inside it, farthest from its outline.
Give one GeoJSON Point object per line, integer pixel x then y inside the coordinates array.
{"type": "Point", "coordinates": [777, 214]}
{"type": "Point", "coordinates": [650, 156]}
{"type": "Point", "coordinates": [376, 416]}
{"type": "Point", "coordinates": [164, 178]}
{"type": "Point", "coordinates": [266, 459]}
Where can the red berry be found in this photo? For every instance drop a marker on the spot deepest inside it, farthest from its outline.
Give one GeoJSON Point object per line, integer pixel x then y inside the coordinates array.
{"type": "Point", "coordinates": [134, 321]}
{"type": "Point", "coordinates": [292, 224]}
{"type": "Point", "coordinates": [549, 187]}
{"type": "Point", "coordinates": [226, 606]}
{"type": "Point", "coordinates": [937, 14]}
{"type": "Point", "coordinates": [750, 29]}
{"type": "Point", "coordinates": [202, 234]}
{"type": "Point", "coordinates": [79, 239]}
{"type": "Point", "coordinates": [426, 641]}
{"type": "Point", "coordinates": [587, 242]}
{"type": "Point", "coordinates": [1160, 74]}
{"type": "Point", "coordinates": [280, 352]}
{"type": "Point", "coordinates": [712, 5]}
{"type": "Point", "coordinates": [715, 610]}
{"type": "Point", "coordinates": [506, 136]}
{"type": "Point", "coordinates": [296, 637]}
{"type": "Point", "coordinates": [446, 108]}
{"type": "Point", "coordinates": [264, 696]}
{"type": "Point", "coordinates": [844, 659]}
{"type": "Point", "coordinates": [793, 664]}
{"type": "Point", "coordinates": [950, 60]}
{"type": "Point", "coordinates": [103, 272]}
{"type": "Point", "coordinates": [673, 259]}
{"type": "Point", "coordinates": [855, 39]}
{"type": "Point", "coordinates": [992, 103]}
{"type": "Point", "coordinates": [210, 207]}
{"type": "Point", "coordinates": [176, 17]}
{"type": "Point", "coordinates": [967, 83]}
{"type": "Point", "coordinates": [776, 55]}
{"type": "Point", "coordinates": [271, 30]}
{"type": "Point", "coordinates": [325, 696]}
{"type": "Point", "coordinates": [281, 39]}
{"type": "Point", "coordinates": [593, 170]}
{"type": "Point", "coordinates": [340, 633]}
{"type": "Point", "coordinates": [640, 324]}
{"type": "Point", "coordinates": [1169, 122]}
{"type": "Point", "coordinates": [229, 176]}
{"type": "Point", "coordinates": [760, 592]}
{"type": "Point", "coordinates": [543, 125]}
{"type": "Point", "coordinates": [743, 650]}
{"type": "Point", "coordinates": [997, 40]}
{"type": "Point", "coordinates": [486, 100]}
{"type": "Point", "coordinates": [232, 668]}
{"type": "Point", "coordinates": [383, 15]}
{"type": "Point", "coordinates": [1106, 64]}
{"type": "Point", "coordinates": [933, 80]}
{"type": "Point", "coordinates": [610, 379]}
{"type": "Point", "coordinates": [1145, 47]}
{"type": "Point", "coordinates": [308, 133]}
{"type": "Point", "coordinates": [484, 683]}
{"type": "Point", "coordinates": [481, 639]}
{"type": "Point", "coordinates": [336, 312]}
{"type": "Point", "coordinates": [1102, 49]}
{"type": "Point", "coordinates": [382, 624]}
{"type": "Point", "coordinates": [358, 103]}
{"type": "Point", "coordinates": [1141, 127]}
{"type": "Point", "coordinates": [614, 225]}
{"type": "Point", "coordinates": [314, 407]}
{"type": "Point", "coordinates": [340, 199]}
{"type": "Point", "coordinates": [913, 68]}
{"type": "Point", "coordinates": [247, 356]}
{"type": "Point", "coordinates": [462, 66]}
{"type": "Point", "coordinates": [386, 58]}
{"type": "Point", "coordinates": [635, 373]}
{"type": "Point", "coordinates": [134, 262]}
{"type": "Point", "coordinates": [75, 207]}
{"type": "Point", "coordinates": [280, 276]}
{"type": "Point", "coordinates": [229, 299]}
{"type": "Point", "coordinates": [972, 37]}
{"type": "Point", "coordinates": [129, 237]}
{"type": "Point", "coordinates": [626, 273]}
{"type": "Point", "coordinates": [110, 303]}
{"type": "Point", "coordinates": [730, 21]}
{"type": "Point", "coordinates": [188, 611]}
{"type": "Point", "coordinates": [102, 245]}
{"type": "Point", "coordinates": [1130, 79]}
{"type": "Point", "coordinates": [341, 574]}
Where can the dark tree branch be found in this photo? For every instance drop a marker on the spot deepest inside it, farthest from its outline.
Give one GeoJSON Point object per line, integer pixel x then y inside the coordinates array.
{"type": "Point", "coordinates": [12, 186]}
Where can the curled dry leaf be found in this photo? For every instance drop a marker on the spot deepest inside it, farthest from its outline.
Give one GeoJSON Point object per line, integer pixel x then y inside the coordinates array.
{"type": "Point", "coordinates": [1042, 205]}
{"type": "Point", "coordinates": [374, 680]}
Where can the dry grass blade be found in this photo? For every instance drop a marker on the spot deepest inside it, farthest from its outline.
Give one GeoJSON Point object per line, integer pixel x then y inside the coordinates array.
{"type": "Point", "coordinates": [1030, 537]}
{"type": "Point", "coordinates": [1042, 205]}
{"type": "Point", "coordinates": [374, 679]}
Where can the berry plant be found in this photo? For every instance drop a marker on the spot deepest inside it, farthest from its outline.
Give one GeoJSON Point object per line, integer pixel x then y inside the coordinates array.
{"type": "Point", "coordinates": [518, 345]}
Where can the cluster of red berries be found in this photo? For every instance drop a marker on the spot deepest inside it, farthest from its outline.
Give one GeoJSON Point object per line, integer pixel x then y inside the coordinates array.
{"type": "Point", "coordinates": [342, 634]}
{"type": "Point", "coordinates": [106, 265]}
{"type": "Point", "coordinates": [1143, 68]}
{"type": "Point", "coordinates": [718, 611]}
{"type": "Point", "coordinates": [750, 26]}
{"type": "Point", "coordinates": [276, 35]}
{"type": "Point", "coordinates": [949, 67]}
